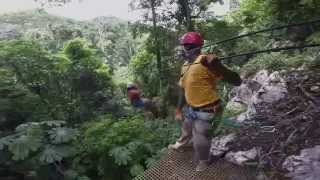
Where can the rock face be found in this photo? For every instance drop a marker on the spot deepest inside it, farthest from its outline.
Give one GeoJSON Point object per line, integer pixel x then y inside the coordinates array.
{"type": "Point", "coordinates": [262, 88]}
{"type": "Point", "coordinates": [240, 157]}
{"type": "Point", "coordinates": [219, 145]}
{"type": "Point", "coordinates": [306, 166]}
{"type": "Point", "coordinates": [285, 113]}
{"type": "Point", "coordinates": [273, 89]}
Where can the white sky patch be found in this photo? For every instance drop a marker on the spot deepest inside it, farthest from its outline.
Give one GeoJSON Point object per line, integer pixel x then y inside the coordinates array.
{"type": "Point", "coordinates": [16, 5]}
{"type": "Point", "coordinates": [220, 9]}
{"type": "Point", "coordinates": [89, 9]}
{"type": "Point", "coordinates": [85, 10]}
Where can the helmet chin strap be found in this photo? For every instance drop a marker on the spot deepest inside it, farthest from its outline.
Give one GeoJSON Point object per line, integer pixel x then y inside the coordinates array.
{"type": "Point", "coordinates": [192, 54]}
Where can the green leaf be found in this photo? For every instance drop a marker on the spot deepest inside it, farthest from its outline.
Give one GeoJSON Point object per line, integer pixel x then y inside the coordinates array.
{"type": "Point", "coordinates": [53, 123]}
{"type": "Point", "coordinates": [26, 126]}
{"type": "Point", "coordinates": [56, 153]}
{"type": "Point", "coordinates": [136, 170]}
{"type": "Point", "coordinates": [5, 104]}
{"type": "Point", "coordinates": [50, 155]}
{"type": "Point", "coordinates": [71, 174]}
{"type": "Point", "coordinates": [305, 2]}
{"type": "Point", "coordinates": [62, 134]}
{"type": "Point", "coordinates": [122, 155]}
{"type": "Point", "coordinates": [22, 146]}
{"type": "Point", "coordinates": [5, 141]}
{"type": "Point", "coordinates": [65, 150]}
{"type": "Point", "coordinates": [132, 146]}
{"type": "Point", "coordinates": [83, 178]}
{"type": "Point", "coordinates": [315, 38]}
{"type": "Point", "coordinates": [150, 162]}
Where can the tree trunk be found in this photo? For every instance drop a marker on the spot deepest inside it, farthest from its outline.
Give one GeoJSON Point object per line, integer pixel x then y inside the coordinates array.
{"type": "Point", "coordinates": [186, 11]}
{"type": "Point", "coordinates": [156, 44]}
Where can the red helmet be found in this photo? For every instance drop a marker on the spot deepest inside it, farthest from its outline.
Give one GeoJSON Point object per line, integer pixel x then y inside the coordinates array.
{"type": "Point", "coordinates": [191, 38]}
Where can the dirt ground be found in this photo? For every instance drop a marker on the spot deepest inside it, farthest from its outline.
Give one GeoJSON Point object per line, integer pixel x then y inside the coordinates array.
{"type": "Point", "coordinates": [286, 127]}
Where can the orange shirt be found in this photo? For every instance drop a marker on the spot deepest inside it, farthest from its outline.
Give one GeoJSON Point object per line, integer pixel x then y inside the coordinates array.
{"type": "Point", "coordinates": [199, 83]}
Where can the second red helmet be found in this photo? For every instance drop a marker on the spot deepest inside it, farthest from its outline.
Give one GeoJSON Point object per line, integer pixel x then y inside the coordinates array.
{"type": "Point", "coordinates": [192, 38]}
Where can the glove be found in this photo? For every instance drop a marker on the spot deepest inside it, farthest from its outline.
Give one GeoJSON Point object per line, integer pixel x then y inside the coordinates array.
{"type": "Point", "coordinates": [178, 115]}
{"type": "Point", "coordinates": [209, 60]}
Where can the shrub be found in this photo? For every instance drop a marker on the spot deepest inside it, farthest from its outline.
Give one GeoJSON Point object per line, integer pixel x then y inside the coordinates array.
{"type": "Point", "coordinates": [121, 149]}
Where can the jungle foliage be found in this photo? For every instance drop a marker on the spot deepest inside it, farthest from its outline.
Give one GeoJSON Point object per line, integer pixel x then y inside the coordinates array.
{"type": "Point", "coordinates": [63, 107]}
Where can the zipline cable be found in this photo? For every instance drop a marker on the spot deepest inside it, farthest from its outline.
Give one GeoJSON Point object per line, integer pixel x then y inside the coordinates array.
{"type": "Point", "coordinates": [270, 50]}
{"type": "Point", "coordinates": [262, 31]}
{"type": "Point", "coordinates": [266, 50]}
{"type": "Point", "coordinates": [259, 52]}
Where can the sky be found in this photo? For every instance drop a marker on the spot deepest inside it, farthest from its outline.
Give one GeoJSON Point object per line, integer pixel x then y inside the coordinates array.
{"type": "Point", "coordinates": [87, 9]}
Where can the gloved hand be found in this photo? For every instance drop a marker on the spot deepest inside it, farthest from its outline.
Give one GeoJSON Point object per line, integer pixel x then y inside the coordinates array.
{"type": "Point", "coordinates": [209, 60]}
{"type": "Point", "coordinates": [178, 115]}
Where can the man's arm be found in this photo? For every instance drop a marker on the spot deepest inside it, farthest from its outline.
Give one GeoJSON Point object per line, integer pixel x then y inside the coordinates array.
{"type": "Point", "coordinates": [214, 64]}
{"type": "Point", "coordinates": [181, 99]}
{"type": "Point", "coordinates": [227, 75]}
{"type": "Point", "coordinates": [181, 103]}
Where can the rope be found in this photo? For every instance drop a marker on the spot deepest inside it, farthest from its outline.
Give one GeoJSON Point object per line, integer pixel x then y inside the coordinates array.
{"type": "Point", "coordinates": [256, 52]}
{"type": "Point", "coordinates": [262, 31]}
{"type": "Point", "coordinates": [270, 50]}
{"type": "Point", "coordinates": [260, 51]}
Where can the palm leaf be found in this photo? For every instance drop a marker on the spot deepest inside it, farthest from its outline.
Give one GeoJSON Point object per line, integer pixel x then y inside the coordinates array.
{"type": "Point", "coordinates": [55, 153]}
{"type": "Point", "coordinates": [5, 141]}
{"type": "Point", "coordinates": [122, 155]}
{"type": "Point", "coordinates": [62, 134]}
{"type": "Point", "coordinates": [22, 146]}
{"type": "Point", "coordinates": [53, 123]}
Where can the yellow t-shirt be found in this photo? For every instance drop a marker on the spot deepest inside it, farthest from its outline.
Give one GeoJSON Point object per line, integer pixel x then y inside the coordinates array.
{"type": "Point", "coordinates": [199, 83]}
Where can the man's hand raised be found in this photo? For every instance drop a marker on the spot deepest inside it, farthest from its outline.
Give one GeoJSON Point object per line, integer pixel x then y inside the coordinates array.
{"type": "Point", "coordinates": [209, 60]}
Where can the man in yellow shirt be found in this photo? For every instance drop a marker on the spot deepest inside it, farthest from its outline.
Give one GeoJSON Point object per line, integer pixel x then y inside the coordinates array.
{"type": "Point", "coordinates": [199, 77]}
